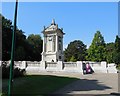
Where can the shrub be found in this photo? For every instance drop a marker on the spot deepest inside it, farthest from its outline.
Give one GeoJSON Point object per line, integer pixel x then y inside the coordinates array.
{"type": "Point", "coordinates": [6, 71]}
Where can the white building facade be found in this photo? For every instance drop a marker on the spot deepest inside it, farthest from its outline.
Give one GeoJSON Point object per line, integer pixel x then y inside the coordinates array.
{"type": "Point", "coordinates": [52, 43]}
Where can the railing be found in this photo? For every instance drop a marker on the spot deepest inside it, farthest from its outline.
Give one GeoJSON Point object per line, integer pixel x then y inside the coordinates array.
{"type": "Point", "coordinates": [58, 65]}
{"type": "Point", "coordinates": [70, 64]}
{"type": "Point", "coordinates": [18, 63]}
{"type": "Point", "coordinates": [33, 64]}
{"type": "Point", "coordinates": [95, 64]}
{"type": "Point", "coordinates": [51, 64]}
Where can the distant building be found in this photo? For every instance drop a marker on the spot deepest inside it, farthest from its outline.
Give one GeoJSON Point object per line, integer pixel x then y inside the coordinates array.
{"type": "Point", "coordinates": [52, 43]}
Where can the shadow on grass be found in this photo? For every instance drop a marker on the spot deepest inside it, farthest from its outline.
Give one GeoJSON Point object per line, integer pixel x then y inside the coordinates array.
{"type": "Point", "coordinates": [44, 85]}
{"type": "Point", "coordinates": [83, 85]}
{"type": "Point", "coordinates": [37, 85]}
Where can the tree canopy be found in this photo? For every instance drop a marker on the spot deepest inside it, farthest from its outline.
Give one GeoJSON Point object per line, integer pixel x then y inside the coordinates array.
{"type": "Point", "coordinates": [6, 38]}
{"type": "Point", "coordinates": [109, 52]}
{"type": "Point", "coordinates": [25, 49]}
{"type": "Point", "coordinates": [96, 51]}
{"type": "Point", "coordinates": [117, 50]}
{"type": "Point", "coordinates": [76, 50]}
{"type": "Point", "coordinates": [35, 42]}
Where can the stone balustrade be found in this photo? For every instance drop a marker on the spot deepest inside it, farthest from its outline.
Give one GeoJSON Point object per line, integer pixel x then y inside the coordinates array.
{"type": "Point", "coordinates": [70, 64]}
{"type": "Point", "coordinates": [98, 67]}
{"type": "Point", "coordinates": [51, 64]}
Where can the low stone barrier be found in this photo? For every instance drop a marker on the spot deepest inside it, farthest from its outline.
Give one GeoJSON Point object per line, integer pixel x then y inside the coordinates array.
{"type": "Point", "coordinates": [31, 66]}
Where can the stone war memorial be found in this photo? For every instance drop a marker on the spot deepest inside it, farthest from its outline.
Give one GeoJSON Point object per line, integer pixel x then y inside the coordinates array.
{"type": "Point", "coordinates": [52, 43]}
{"type": "Point", "coordinates": [53, 57]}
{"type": "Point", "coordinates": [60, 48]}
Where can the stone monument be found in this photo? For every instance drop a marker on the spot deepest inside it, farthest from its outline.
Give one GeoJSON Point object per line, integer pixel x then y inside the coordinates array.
{"type": "Point", "coordinates": [52, 43]}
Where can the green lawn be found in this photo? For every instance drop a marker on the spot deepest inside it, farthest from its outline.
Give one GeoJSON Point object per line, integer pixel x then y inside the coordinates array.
{"type": "Point", "coordinates": [38, 84]}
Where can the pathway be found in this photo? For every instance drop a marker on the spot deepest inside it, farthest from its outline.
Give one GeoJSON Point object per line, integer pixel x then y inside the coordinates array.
{"type": "Point", "coordinates": [92, 84]}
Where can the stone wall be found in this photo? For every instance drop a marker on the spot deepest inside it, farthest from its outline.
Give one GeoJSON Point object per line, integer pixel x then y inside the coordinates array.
{"type": "Point", "coordinates": [38, 66]}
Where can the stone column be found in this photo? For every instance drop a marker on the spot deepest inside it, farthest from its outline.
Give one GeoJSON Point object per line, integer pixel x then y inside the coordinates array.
{"type": "Point", "coordinates": [54, 39]}
{"type": "Point", "coordinates": [103, 64]}
{"type": "Point", "coordinates": [0, 63]}
{"type": "Point", "coordinates": [56, 43]}
{"type": "Point", "coordinates": [42, 65]}
{"type": "Point", "coordinates": [104, 67]}
{"type": "Point", "coordinates": [44, 43]}
{"type": "Point", "coordinates": [60, 65]}
{"type": "Point", "coordinates": [24, 65]}
{"type": "Point", "coordinates": [62, 44]}
{"type": "Point", "coordinates": [79, 66]}
{"type": "Point", "coordinates": [56, 50]}
{"type": "Point", "coordinates": [62, 49]}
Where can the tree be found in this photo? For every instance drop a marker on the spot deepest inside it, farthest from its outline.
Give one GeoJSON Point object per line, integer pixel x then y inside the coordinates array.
{"type": "Point", "coordinates": [117, 58]}
{"type": "Point", "coordinates": [76, 50]}
{"type": "Point", "coordinates": [117, 51]}
{"type": "Point", "coordinates": [110, 49]}
{"type": "Point", "coordinates": [25, 49]}
{"type": "Point", "coordinates": [6, 38]}
{"type": "Point", "coordinates": [72, 59]}
{"type": "Point", "coordinates": [96, 51]}
{"type": "Point", "coordinates": [7, 30]}
{"type": "Point", "coordinates": [20, 51]}
{"type": "Point", "coordinates": [20, 54]}
{"type": "Point", "coordinates": [35, 43]}
{"type": "Point", "coordinates": [117, 44]}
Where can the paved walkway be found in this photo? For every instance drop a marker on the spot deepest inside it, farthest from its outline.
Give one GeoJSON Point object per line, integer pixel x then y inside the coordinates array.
{"type": "Point", "coordinates": [92, 84]}
{"type": "Point", "coordinates": [97, 83]}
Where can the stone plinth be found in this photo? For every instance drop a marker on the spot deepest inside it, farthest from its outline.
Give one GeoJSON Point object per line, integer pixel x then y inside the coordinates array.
{"type": "Point", "coordinates": [24, 65]}
{"type": "Point", "coordinates": [42, 65]}
{"type": "Point", "coordinates": [79, 66]}
{"type": "Point", "coordinates": [60, 65]}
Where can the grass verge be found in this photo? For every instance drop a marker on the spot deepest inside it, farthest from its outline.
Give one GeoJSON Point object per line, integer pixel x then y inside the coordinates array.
{"type": "Point", "coordinates": [37, 84]}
